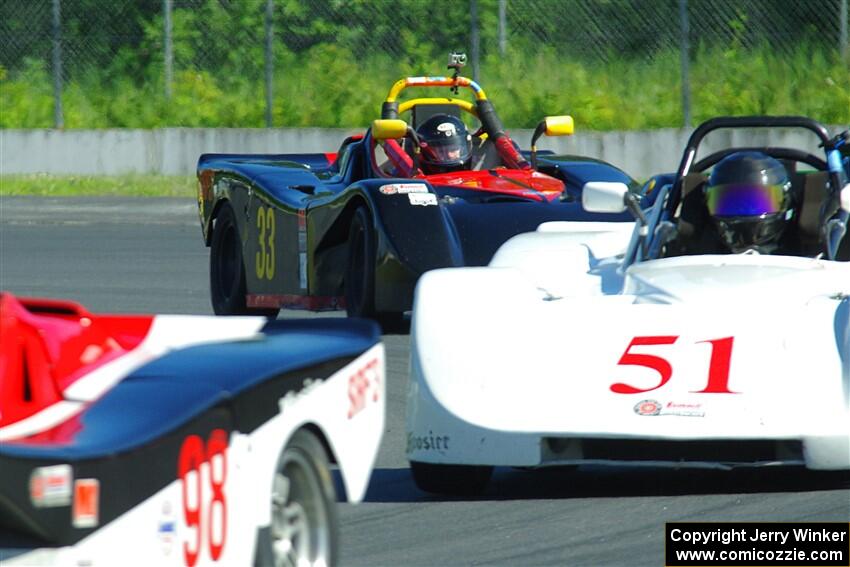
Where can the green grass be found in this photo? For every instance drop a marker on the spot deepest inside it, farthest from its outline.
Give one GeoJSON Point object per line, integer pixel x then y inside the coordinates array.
{"type": "Point", "coordinates": [330, 87]}
{"type": "Point", "coordinates": [134, 185]}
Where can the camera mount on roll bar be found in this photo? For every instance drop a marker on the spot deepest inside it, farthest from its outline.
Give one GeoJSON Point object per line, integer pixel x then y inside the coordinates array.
{"type": "Point", "coordinates": [457, 61]}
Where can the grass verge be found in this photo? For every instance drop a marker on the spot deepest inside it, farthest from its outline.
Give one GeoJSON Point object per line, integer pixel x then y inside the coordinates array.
{"type": "Point", "coordinates": [132, 185]}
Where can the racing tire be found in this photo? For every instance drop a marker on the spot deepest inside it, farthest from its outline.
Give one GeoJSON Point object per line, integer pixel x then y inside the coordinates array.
{"type": "Point", "coordinates": [454, 480]}
{"type": "Point", "coordinates": [227, 270]}
{"type": "Point", "coordinates": [360, 274]}
{"type": "Point", "coordinates": [304, 526]}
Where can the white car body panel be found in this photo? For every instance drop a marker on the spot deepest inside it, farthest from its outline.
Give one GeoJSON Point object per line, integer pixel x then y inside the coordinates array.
{"type": "Point", "coordinates": [155, 531]}
{"type": "Point", "coordinates": [513, 364]}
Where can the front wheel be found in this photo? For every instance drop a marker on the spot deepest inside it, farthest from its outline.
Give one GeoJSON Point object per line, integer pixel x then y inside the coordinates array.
{"type": "Point", "coordinates": [227, 270]}
{"type": "Point", "coordinates": [303, 504]}
{"type": "Point", "coordinates": [455, 480]}
{"type": "Point", "coordinates": [360, 273]}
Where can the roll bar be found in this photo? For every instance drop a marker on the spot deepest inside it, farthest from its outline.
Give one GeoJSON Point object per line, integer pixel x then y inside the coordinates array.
{"type": "Point", "coordinates": [740, 122]}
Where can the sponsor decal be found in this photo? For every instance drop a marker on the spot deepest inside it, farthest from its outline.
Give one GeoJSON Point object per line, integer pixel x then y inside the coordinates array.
{"type": "Point", "coordinates": [685, 410]}
{"type": "Point", "coordinates": [85, 511]}
{"type": "Point", "coordinates": [422, 199]}
{"type": "Point", "coordinates": [402, 188]}
{"type": "Point", "coordinates": [448, 129]}
{"type": "Point", "coordinates": [406, 188]}
{"type": "Point", "coordinates": [428, 442]}
{"type": "Point", "coordinates": [302, 270]}
{"type": "Point", "coordinates": [167, 528]}
{"type": "Point", "coordinates": [51, 486]}
{"type": "Point", "coordinates": [367, 379]}
{"type": "Point", "coordinates": [654, 407]}
{"type": "Point", "coordinates": [302, 248]}
{"type": "Point", "coordinates": [647, 407]}
{"type": "Point", "coordinates": [294, 395]}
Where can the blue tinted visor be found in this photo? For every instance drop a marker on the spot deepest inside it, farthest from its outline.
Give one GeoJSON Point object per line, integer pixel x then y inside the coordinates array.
{"type": "Point", "coordinates": [739, 200]}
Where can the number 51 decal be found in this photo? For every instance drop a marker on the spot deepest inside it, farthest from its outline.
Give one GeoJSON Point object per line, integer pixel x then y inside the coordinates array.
{"type": "Point", "coordinates": [718, 366]}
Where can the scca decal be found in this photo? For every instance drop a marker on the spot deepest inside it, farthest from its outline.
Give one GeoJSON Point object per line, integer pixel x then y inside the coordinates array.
{"type": "Point", "coordinates": [718, 367]}
{"type": "Point", "coordinates": [359, 385]}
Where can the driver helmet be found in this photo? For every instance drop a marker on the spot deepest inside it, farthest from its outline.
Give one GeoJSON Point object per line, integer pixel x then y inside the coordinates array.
{"type": "Point", "coordinates": [748, 195]}
{"type": "Point", "coordinates": [445, 144]}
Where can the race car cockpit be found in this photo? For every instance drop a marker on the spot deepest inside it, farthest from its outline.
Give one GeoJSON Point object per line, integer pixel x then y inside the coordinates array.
{"type": "Point", "coordinates": [767, 199]}
{"type": "Point", "coordinates": [397, 148]}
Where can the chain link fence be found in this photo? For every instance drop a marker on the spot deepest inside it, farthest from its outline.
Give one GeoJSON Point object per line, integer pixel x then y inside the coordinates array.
{"type": "Point", "coordinates": [614, 63]}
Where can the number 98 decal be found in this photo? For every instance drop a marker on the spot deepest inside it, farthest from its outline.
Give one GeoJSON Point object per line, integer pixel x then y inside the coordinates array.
{"type": "Point", "coordinates": [264, 258]}
{"type": "Point", "coordinates": [198, 515]}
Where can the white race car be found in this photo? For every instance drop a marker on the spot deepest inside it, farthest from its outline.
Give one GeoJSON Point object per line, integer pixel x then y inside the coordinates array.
{"type": "Point", "coordinates": [180, 440]}
{"type": "Point", "coordinates": [579, 345]}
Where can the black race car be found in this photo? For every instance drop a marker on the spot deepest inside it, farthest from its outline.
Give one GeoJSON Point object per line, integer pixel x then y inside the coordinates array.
{"type": "Point", "coordinates": [356, 228]}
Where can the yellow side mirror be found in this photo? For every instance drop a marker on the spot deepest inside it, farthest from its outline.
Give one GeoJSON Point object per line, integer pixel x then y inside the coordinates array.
{"type": "Point", "coordinates": [559, 126]}
{"type": "Point", "coordinates": [386, 129]}
{"type": "Point", "coordinates": [551, 126]}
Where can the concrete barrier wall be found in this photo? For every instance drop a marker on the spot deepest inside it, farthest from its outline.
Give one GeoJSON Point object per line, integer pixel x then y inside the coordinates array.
{"type": "Point", "coordinates": [175, 151]}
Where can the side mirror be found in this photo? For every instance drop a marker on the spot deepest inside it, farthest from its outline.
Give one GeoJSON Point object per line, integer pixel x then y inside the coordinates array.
{"type": "Point", "coordinates": [604, 196]}
{"type": "Point", "coordinates": [551, 126]}
{"type": "Point", "coordinates": [389, 129]}
{"type": "Point", "coordinates": [613, 197]}
{"type": "Point", "coordinates": [559, 126]}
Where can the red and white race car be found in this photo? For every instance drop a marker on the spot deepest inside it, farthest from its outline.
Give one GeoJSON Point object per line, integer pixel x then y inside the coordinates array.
{"type": "Point", "coordinates": [180, 440]}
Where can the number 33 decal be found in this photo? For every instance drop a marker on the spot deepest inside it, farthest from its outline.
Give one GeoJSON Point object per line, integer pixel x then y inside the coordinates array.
{"type": "Point", "coordinates": [718, 367]}
{"type": "Point", "coordinates": [264, 258]}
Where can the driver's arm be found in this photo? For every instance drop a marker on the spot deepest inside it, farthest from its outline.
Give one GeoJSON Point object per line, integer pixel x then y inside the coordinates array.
{"type": "Point", "coordinates": [504, 145]}
{"type": "Point", "coordinates": [509, 154]}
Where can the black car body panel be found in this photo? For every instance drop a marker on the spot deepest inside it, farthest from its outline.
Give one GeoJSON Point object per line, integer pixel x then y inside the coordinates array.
{"type": "Point", "coordinates": [313, 198]}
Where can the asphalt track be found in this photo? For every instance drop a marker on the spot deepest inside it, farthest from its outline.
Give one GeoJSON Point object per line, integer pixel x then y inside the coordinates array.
{"type": "Point", "coordinates": [146, 255]}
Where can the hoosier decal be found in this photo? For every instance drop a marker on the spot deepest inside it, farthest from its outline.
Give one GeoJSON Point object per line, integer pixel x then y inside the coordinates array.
{"type": "Point", "coordinates": [428, 442]}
